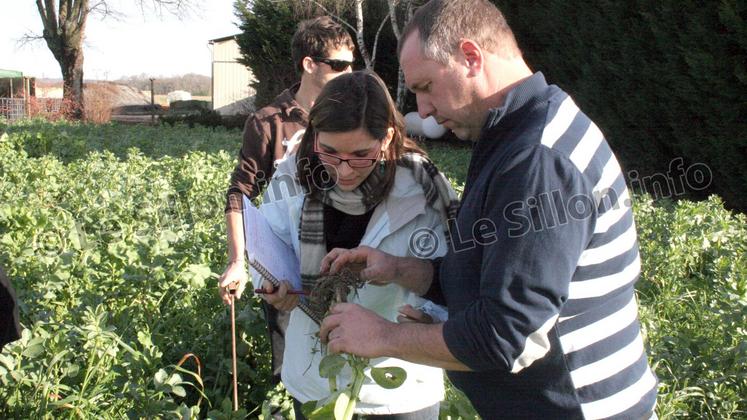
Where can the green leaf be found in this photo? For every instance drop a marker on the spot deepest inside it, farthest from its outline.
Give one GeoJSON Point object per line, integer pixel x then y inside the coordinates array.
{"type": "Point", "coordinates": [33, 351]}
{"type": "Point", "coordinates": [389, 377]}
{"type": "Point", "coordinates": [308, 407]}
{"type": "Point", "coordinates": [196, 274]}
{"type": "Point", "coordinates": [331, 365]}
{"type": "Point", "coordinates": [144, 339]}
{"type": "Point", "coordinates": [266, 410]}
{"type": "Point", "coordinates": [7, 361]}
{"type": "Point", "coordinates": [77, 237]}
{"type": "Point", "coordinates": [325, 412]}
{"type": "Point", "coordinates": [161, 377]}
{"type": "Point", "coordinates": [187, 413]}
{"type": "Point", "coordinates": [72, 370]}
{"type": "Point", "coordinates": [175, 379]}
{"type": "Point", "coordinates": [179, 390]}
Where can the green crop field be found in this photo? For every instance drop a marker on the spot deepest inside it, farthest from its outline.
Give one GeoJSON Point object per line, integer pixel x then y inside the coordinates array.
{"type": "Point", "coordinates": [113, 237]}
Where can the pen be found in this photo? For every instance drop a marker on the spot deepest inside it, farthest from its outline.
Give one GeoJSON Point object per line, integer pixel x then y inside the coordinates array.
{"type": "Point", "coordinates": [290, 292]}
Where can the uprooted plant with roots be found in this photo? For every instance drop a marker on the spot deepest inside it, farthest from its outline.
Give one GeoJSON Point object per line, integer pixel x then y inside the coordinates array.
{"type": "Point", "coordinates": [341, 402]}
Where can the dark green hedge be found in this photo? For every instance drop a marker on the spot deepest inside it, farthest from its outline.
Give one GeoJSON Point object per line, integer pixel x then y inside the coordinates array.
{"type": "Point", "coordinates": [266, 31]}
{"type": "Point", "coordinates": [663, 79]}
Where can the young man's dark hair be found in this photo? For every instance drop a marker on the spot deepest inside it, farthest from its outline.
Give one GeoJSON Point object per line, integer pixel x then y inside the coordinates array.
{"type": "Point", "coordinates": [315, 38]}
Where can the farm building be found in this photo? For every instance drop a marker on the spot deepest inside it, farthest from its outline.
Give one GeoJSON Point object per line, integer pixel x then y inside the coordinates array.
{"type": "Point", "coordinates": [13, 84]}
{"type": "Point", "coordinates": [15, 91]}
{"type": "Point", "coordinates": [230, 79]}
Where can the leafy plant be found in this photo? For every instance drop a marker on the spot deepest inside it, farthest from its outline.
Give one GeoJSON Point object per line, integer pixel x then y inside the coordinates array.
{"type": "Point", "coordinates": [341, 402]}
{"type": "Point", "coordinates": [112, 236]}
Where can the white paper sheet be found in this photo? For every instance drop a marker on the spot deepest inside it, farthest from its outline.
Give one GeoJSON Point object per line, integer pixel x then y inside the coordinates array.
{"type": "Point", "coordinates": [267, 249]}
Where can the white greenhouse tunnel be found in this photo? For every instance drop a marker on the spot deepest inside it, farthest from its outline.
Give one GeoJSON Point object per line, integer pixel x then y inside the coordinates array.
{"type": "Point", "coordinates": [428, 127]}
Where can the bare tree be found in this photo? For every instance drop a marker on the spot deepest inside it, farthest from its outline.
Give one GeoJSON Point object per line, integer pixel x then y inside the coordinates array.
{"type": "Point", "coordinates": [64, 24]}
{"type": "Point", "coordinates": [64, 27]}
{"type": "Point", "coordinates": [397, 29]}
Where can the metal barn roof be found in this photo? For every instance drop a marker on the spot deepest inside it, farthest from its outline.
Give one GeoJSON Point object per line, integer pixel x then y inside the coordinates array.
{"type": "Point", "coordinates": [10, 74]}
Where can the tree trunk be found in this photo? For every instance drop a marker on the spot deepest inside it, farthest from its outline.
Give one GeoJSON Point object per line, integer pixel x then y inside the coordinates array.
{"type": "Point", "coordinates": [359, 34]}
{"type": "Point", "coordinates": [64, 26]}
{"type": "Point", "coordinates": [72, 85]}
{"type": "Point", "coordinates": [401, 88]}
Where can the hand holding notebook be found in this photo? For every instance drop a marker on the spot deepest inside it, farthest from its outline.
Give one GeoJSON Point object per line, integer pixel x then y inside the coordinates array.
{"type": "Point", "coordinates": [272, 258]}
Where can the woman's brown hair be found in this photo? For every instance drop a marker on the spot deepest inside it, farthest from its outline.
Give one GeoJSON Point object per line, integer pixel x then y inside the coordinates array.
{"type": "Point", "coordinates": [348, 102]}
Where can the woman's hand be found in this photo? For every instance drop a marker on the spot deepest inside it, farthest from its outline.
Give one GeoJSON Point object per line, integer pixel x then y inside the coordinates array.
{"type": "Point", "coordinates": [279, 297]}
{"type": "Point", "coordinates": [409, 314]}
{"type": "Point", "coordinates": [376, 267]}
{"type": "Point", "coordinates": [234, 278]}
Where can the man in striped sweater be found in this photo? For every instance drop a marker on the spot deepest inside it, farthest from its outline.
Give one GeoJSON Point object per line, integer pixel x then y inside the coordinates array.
{"type": "Point", "coordinates": [543, 256]}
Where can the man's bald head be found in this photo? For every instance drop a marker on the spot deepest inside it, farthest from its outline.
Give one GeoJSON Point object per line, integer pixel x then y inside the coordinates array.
{"type": "Point", "coordinates": [441, 25]}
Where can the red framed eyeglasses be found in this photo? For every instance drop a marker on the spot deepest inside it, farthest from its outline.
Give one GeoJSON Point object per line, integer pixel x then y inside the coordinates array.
{"type": "Point", "coordinates": [334, 160]}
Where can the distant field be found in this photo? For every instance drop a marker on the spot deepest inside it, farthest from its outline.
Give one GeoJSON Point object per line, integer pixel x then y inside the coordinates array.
{"type": "Point", "coordinates": [53, 89]}
{"type": "Point", "coordinates": [163, 99]}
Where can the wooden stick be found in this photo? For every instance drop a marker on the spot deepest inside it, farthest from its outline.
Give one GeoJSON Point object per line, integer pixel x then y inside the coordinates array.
{"type": "Point", "coordinates": [233, 351]}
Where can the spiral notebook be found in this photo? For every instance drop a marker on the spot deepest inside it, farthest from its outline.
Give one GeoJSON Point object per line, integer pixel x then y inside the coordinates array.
{"type": "Point", "coordinates": [270, 257]}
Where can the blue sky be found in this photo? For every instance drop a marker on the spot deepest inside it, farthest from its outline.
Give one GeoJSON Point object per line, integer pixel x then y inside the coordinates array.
{"type": "Point", "coordinates": [137, 44]}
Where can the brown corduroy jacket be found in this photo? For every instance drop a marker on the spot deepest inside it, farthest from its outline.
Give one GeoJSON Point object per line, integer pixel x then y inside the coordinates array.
{"type": "Point", "coordinates": [266, 133]}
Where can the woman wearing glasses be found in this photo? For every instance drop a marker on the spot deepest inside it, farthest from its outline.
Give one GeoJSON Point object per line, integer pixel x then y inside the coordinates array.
{"type": "Point", "coordinates": [360, 181]}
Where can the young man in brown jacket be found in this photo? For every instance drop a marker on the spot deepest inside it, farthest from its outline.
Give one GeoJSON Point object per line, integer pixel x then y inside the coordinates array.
{"type": "Point", "coordinates": [321, 50]}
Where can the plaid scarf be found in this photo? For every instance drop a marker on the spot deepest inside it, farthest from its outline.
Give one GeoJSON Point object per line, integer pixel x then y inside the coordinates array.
{"type": "Point", "coordinates": [436, 188]}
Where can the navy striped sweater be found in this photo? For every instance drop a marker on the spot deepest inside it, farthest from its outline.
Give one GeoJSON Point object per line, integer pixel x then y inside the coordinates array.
{"type": "Point", "coordinates": [539, 283]}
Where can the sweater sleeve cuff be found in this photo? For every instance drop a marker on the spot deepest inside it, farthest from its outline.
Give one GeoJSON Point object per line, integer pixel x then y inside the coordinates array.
{"type": "Point", "coordinates": [454, 337]}
{"type": "Point", "coordinates": [234, 202]}
{"type": "Point", "coordinates": [434, 293]}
